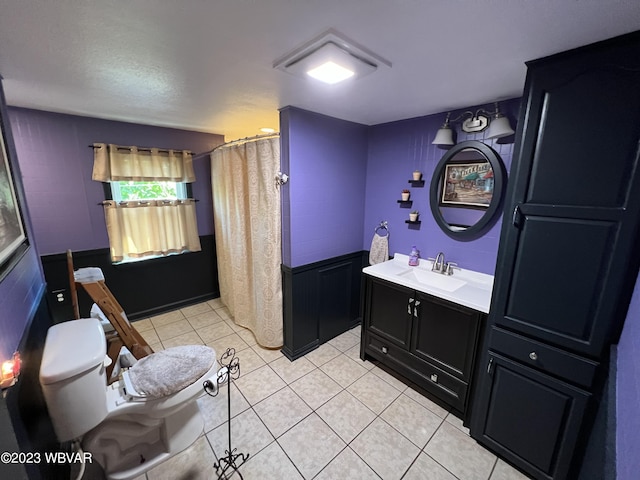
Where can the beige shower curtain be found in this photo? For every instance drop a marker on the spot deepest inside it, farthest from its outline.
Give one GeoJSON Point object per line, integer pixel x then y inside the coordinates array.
{"type": "Point", "coordinates": [246, 211]}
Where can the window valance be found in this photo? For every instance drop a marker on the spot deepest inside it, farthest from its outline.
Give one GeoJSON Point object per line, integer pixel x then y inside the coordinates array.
{"type": "Point", "coordinates": [117, 163]}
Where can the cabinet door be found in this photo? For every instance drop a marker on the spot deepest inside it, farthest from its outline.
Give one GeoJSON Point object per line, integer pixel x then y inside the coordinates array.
{"type": "Point", "coordinates": [445, 335]}
{"type": "Point", "coordinates": [568, 258]}
{"type": "Point", "coordinates": [389, 310]}
{"type": "Point", "coordinates": [532, 420]}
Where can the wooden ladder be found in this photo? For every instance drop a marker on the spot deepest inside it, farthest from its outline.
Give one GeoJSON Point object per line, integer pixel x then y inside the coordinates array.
{"type": "Point", "coordinates": [126, 334]}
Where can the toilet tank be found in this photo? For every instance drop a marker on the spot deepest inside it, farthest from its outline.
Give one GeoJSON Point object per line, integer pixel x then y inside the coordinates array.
{"type": "Point", "coordinates": [73, 377]}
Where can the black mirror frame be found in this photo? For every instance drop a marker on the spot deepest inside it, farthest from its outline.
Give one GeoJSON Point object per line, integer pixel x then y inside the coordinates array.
{"type": "Point", "coordinates": [492, 213]}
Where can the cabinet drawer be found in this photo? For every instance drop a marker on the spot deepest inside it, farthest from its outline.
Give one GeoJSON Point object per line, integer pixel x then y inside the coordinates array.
{"type": "Point", "coordinates": [431, 378]}
{"type": "Point", "coordinates": [560, 363]}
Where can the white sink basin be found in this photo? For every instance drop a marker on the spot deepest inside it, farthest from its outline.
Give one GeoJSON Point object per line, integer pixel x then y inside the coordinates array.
{"type": "Point", "coordinates": [433, 279]}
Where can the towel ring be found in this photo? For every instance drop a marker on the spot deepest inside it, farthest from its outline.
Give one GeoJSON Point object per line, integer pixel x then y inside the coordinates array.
{"type": "Point", "coordinates": [383, 226]}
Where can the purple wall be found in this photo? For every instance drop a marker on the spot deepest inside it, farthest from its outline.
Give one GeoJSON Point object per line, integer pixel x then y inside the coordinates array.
{"type": "Point", "coordinates": [628, 393]}
{"type": "Point", "coordinates": [395, 151]}
{"type": "Point", "coordinates": [323, 204]}
{"type": "Point", "coordinates": [22, 287]}
{"type": "Point", "coordinates": [56, 165]}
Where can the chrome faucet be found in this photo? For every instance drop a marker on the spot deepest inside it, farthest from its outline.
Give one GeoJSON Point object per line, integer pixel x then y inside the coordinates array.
{"type": "Point", "coordinates": [438, 263]}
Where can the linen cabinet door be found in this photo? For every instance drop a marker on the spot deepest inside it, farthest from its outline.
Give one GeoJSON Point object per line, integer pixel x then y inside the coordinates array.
{"type": "Point", "coordinates": [532, 419]}
{"type": "Point", "coordinates": [389, 311]}
{"type": "Point", "coordinates": [568, 256]}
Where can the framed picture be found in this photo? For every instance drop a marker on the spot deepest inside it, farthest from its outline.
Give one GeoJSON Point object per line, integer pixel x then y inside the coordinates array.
{"type": "Point", "coordinates": [467, 185]}
{"type": "Point", "coordinates": [13, 240]}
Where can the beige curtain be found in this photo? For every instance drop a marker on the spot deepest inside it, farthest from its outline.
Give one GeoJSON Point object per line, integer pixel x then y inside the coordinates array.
{"type": "Point", "coordinates": [246, 206]}
{"type": "Point", "coordinates": [140, 229]}
{"type": "Point", "coordinates": [117, 163]}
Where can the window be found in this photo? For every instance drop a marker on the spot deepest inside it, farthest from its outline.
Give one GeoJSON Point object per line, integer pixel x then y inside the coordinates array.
{"type": "Point", "coordinates": [150, 212]}
{"type": "Point", "coordinates": [150, 190]}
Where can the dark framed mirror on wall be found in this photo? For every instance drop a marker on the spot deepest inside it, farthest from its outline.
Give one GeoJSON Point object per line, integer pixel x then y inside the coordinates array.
{"type": "Point", "coordinates": [467, 189]}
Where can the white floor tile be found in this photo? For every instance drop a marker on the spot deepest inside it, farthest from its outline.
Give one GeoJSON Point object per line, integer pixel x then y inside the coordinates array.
{"type": "Point", "coordinates": [248, 435]}
{"type": "Point", "coordinates": [346, 415]}
{"type": "Point", "coordinates": [316, 388]}
{"type": "Point", "coordinates": [374, 392]}
{"type": "Point", "coordinates": [270, 463]}
{"type": "Point", "coordinates": [259, 384]}
{"type": "Point", "coordinates": [460, 454]}
{"type": "Point", "coordinates": [347, 465]}
{"type": "Point", "coordinates": [311, 445]}
{"type": "Point", "coordinates": [281, 411]}
{"type": "Point", "coordinates": [426, 468]}
{"type": "Point", "coordinates": [387, 452]}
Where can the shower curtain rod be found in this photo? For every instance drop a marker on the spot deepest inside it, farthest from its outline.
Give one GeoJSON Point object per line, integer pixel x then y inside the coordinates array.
{"type": "Point", "coordinates": [147, 149]}
{"type": "Point", "coordinates": [231, 142]}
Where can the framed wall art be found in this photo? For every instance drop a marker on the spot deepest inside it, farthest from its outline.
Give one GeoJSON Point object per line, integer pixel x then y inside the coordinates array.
{"type": "Point", "coordinates": [13, 240]}
{"type": "Point", "coordinates": [467, 185]}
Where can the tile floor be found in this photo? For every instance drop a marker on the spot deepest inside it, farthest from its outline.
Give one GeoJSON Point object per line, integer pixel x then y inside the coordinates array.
{"type": "Point", "coordinates": [326, 416]}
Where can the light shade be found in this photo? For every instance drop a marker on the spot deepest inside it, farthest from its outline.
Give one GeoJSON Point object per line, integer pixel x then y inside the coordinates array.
{"type": "Point", "coordinates": [499, 127]}
{"type": "Point", "coordinates": [444, 136]}
{"type": "Point", "coordinates": [330, 58]}
{"type": "Point", "coordinates": [331, 72]}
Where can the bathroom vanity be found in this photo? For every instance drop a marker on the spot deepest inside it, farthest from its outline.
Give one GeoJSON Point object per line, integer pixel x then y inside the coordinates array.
{"type": "Point", "coordinates": [426, 325]}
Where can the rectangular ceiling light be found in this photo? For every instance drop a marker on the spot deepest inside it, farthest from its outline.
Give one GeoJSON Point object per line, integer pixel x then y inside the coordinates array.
{"type": "Point", "coordinates": [330, 58]}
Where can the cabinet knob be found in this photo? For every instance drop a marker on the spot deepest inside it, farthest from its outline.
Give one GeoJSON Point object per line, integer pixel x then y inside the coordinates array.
{"type": "Point", "coordinates": [434, 378]}
{"type": "Point", "coordinates": [384, 350]}
{"type": "Point", "coordinates": [533, 356]}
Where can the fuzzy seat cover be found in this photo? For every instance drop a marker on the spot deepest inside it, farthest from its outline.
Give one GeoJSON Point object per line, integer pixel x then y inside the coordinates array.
{"type": "Point", "coordinates": [169, 371]}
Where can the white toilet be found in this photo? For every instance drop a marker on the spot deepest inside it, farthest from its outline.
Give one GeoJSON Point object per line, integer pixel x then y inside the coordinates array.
{"type": "Point", "coordinates": [126, 431]}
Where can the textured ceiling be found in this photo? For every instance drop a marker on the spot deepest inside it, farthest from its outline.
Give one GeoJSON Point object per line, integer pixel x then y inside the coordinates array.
{"type": "Point", "coordinates": [207, 65]}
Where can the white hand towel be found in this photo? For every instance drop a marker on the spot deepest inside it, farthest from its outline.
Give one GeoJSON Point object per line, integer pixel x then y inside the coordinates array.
{"type": "Point", "coordinates": [379, 251]}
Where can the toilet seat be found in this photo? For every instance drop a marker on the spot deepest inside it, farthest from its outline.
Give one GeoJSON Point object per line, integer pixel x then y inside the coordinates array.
{"type": "Point", "coordinates": [129, 389]}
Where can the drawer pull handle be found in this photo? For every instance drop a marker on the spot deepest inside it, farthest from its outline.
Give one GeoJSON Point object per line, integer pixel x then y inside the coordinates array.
{"type": "Point", "coordinates": [384, 350]}
{"type": "Point", "coordinates": [434, 378]}
{"type": "Point", "coordinates": [409, 306]}
{"type": "Point", "coordinates": [490, 366]}
{"type": "Point", "coordinates": [533, 356]}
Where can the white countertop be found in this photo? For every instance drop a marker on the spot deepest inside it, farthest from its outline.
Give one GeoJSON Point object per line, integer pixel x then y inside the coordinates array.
{"type": "Point", "coordinates": [464, 287]}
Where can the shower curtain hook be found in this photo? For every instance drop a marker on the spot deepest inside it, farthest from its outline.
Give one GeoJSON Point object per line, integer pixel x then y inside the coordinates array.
{"type": "Point", "coordinates": [281, 178]}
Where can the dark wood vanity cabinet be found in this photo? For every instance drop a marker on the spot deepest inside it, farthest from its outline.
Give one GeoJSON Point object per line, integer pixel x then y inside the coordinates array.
{"type": "Point", "coordinates": [567, 261]}
{"type": "Point", "coordinates": [430, 341]}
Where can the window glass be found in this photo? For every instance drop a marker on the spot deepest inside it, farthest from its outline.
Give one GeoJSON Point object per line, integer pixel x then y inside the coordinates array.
{"type": "Point", "coordinates": [129, 190]}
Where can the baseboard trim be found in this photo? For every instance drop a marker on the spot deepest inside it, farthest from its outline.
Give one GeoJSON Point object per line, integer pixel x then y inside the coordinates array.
{"type": "Point", "coordinates": [173, 306]}
{"type": "Point", "coordinates": [300, 352]}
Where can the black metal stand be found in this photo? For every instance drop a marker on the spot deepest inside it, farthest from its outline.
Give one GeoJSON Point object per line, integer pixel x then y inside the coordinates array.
{"type": "Point", "coordinates": [230, 371]}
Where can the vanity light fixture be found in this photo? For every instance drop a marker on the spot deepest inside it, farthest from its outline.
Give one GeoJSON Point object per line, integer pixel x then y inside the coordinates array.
{"type": "Point", "coordinates": [498, 124]}
{"type": "Point", "coordinates": [444, 135]}
{"type": "Point", "coordinates": [330, 58]}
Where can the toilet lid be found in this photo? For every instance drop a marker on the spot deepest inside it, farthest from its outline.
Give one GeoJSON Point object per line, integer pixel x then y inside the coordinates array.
{"type": "Point", "coordinates": [171, 370]}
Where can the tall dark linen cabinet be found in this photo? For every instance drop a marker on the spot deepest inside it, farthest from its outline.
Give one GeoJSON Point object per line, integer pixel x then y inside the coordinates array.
{"type": "Point", "coordinates": [568, 258]}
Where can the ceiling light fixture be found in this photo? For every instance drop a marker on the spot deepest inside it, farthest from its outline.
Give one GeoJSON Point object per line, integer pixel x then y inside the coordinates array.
{"type": "Point", "coordinates": [330, 72]}
{"type": "Point", "coordinates": [498, 124]}
{"type": "Point", "coordinates": [331, 58]}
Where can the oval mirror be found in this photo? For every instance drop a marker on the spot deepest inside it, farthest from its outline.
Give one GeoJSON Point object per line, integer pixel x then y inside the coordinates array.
{"type": "Point", "coordinates": [467, 190]}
